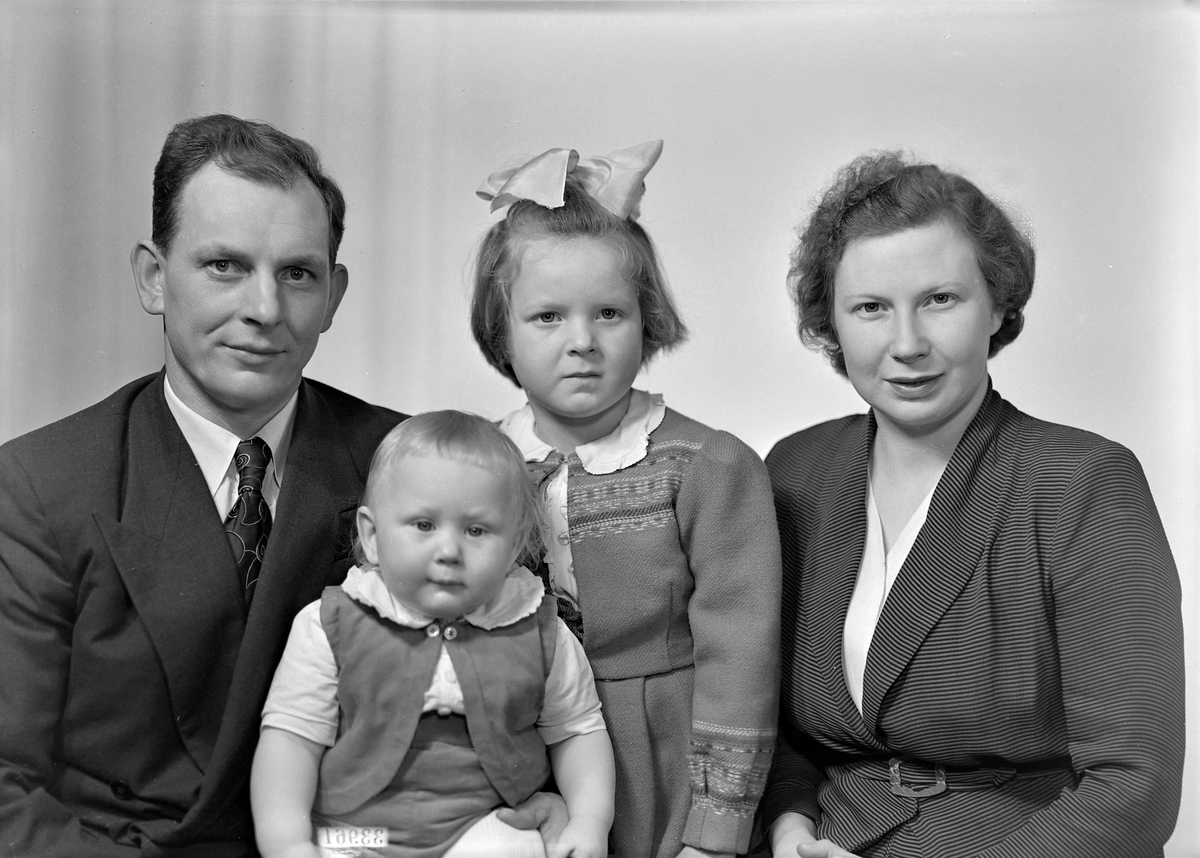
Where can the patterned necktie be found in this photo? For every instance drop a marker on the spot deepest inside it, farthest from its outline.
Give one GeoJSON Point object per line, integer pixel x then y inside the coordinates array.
{"type": "Point", "coordinates": [249, 521]}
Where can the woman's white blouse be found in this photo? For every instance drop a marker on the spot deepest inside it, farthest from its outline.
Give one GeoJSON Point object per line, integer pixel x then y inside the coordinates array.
{"type": "Point", "coordinates": [876, 574]}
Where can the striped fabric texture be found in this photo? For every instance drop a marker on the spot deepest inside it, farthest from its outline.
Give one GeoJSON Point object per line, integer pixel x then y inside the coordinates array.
{"type": "Point", "coordinates": [1036, 624]}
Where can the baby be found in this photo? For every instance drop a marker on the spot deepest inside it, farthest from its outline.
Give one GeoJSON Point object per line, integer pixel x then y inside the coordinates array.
{"type": "Point", "coordinates": [420, 696]}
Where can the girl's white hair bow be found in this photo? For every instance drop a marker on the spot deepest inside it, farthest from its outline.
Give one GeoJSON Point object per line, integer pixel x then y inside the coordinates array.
{"type": "Point", "coordinates": [614, 181]}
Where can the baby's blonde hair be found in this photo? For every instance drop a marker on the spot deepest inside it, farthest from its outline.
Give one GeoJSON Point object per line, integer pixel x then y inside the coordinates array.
{"type": "Point", "coordinates": [467, 438]}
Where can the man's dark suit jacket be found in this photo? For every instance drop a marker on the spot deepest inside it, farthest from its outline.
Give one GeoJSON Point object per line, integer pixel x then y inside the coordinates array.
{"type": "Point", "coordinates": [131, 679]}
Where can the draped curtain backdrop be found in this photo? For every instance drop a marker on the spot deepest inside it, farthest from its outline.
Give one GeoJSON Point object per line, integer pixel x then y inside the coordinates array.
{"type": "Point", "coordinates": [1083, 116]}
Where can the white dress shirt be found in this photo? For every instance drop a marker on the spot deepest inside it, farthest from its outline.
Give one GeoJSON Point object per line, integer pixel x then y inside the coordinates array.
{"type": "Point", "coordinates": [214, 446]}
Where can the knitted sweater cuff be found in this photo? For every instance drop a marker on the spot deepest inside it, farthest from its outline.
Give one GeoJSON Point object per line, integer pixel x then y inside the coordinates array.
{"type": "Point", "coordinates": [728, 772]}
{"type": "Point", "coordinates": [717, 829]}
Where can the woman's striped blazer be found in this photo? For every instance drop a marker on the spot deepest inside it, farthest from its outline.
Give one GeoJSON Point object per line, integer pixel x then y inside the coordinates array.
{"type": "Point", "coordinates": [1032, 646]}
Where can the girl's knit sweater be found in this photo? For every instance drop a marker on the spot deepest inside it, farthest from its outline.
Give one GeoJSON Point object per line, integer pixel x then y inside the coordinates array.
{"type": "Point", "coordinates": [676, 560]}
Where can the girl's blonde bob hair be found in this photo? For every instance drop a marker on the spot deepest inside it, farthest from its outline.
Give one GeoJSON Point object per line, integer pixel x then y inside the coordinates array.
{"type": "Point", "coordinates": [499, 263]}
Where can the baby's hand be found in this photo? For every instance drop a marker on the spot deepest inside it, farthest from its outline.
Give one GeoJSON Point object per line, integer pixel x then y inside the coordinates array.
{"type": "Point", "coordinates": [584, 837]}
{"type": "Point", "coordinates": [693, 852]}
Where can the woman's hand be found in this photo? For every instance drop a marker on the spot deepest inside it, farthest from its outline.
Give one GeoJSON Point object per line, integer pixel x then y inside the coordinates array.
{"type": "Point", "coordinates": [796, 834]}
{"type": "Point", "coordinates": [822, 849]}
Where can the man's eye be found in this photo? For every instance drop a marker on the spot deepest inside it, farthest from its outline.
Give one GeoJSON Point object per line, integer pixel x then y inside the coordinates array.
{"type": "Point", "coordinates": [221, 266]}
{"type": "Point", "coordinates": [296, 274]}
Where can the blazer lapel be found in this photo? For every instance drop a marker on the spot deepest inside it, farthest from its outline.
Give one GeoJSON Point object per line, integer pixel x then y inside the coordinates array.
{"type": "Point", "coordinates": [320, 494]}
{"type": "Point", "coordinates": [960, 524]}
{"type": "Point", "coordinates": [831, 572]}
{"type": "Point", "coordinates": [173, 556]}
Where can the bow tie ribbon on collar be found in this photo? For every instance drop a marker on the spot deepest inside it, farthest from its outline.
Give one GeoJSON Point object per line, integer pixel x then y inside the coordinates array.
{"type": "Point", "coordinates": [614, 181]}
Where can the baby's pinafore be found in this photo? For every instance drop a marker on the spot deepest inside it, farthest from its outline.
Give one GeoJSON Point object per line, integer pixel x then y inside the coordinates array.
{"type": "Point", "coordinates": [437, 722]}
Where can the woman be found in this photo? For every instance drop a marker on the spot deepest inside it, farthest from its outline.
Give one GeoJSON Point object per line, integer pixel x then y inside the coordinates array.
{"type": "Point", "coordinates": [982, 644]}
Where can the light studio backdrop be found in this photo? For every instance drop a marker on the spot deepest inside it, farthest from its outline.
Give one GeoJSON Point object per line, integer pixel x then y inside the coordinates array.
{"type": "Point", "coordinates": [1081, 115]}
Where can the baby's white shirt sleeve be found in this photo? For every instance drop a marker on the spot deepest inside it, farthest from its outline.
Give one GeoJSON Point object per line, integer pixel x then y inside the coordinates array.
{"type": "Point", "coordinates": [303, 696]}
{"type": "Point", "coordinates": [571, 706]}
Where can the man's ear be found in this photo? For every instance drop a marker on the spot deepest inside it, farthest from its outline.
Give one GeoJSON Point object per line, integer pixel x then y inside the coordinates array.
{"type": "Point", "coordinates": [338, 281]}
{"type": "Point", "coordinates": [148, 275]}
{"type": "Point", "coordinates": [365, 520]}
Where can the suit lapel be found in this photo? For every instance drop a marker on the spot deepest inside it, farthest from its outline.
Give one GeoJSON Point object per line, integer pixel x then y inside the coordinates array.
{"type": "Point", "coordinates": [314, 514]}
{"type": "Point", "coordinates": [173, 556]}
{"type": "Point", "coordinates": [832, 570]}
{"type": "Point", "coordinates": [960, 524]}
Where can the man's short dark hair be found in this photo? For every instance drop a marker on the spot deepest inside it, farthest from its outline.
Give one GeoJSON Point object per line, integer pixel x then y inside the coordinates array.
{"type": "Point", "coordinates": [253, 150]}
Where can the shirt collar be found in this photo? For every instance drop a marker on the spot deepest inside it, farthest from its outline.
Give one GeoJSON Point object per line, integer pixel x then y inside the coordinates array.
{"type": "Point", "coordinates": [624, 446]}
{"type": "Point", "coordinates": [520, 596]}
{"type": "Point", "coordinates": [214, 446]}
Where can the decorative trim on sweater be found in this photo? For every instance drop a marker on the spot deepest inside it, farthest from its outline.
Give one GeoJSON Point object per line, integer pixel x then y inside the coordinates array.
{"type": "Point", "coordinates": [677, 564]}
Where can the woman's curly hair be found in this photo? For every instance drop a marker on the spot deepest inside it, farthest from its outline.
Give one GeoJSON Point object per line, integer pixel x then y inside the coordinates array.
{"type": "Point", "coordinates": [881, 193]}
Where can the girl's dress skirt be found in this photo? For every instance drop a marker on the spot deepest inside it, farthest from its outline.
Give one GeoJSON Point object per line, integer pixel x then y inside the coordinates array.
{"type": "Point", "coordinates": [650, 723]}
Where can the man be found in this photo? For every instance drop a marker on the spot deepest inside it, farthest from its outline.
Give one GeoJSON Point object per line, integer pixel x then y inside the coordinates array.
{"type": "Point", "coordinates": [155, 547]}
{"type": "Point", "coordinates": [135, 648]}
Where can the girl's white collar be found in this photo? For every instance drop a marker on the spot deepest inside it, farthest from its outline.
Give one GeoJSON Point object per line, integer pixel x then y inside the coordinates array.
{"type": "Point", "coordinates": [624, 446]}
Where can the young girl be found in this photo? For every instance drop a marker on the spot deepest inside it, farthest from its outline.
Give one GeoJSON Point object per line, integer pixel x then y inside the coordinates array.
{"type": "Point", "coordinates": [421, 694]}
{"type": "Point", "coordinates": [662, 544]}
